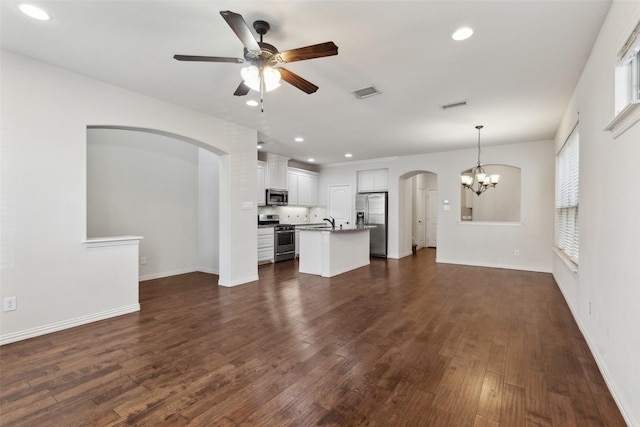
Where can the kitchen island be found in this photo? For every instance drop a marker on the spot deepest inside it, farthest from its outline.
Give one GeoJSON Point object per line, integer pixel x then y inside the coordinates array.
{"type": "Point", "coordinates": [328, 251]}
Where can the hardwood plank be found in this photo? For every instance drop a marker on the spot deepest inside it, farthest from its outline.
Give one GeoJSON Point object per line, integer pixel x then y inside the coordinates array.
{"type": "Point", "coordinates": [491, 396]}
{"type": "Point", "coordinates": [512, 410]}
{"type": "Point", "coordinates": [399, 342]}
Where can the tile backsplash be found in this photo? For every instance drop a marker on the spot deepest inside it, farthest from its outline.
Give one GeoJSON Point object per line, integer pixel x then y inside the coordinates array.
{"type": "Point", "coordinates": [295, 214]}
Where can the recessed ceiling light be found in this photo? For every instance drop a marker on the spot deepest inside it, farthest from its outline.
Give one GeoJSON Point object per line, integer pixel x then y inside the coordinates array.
{"type": "Point", "coordinates": [252, 103]}
{"type": "Point", "coordinates": [311, 160]}
{"type": "Point", "coordinates": [348, 155]}
{"type": "Point", "coordinates": [462, 33]}
{"type": "Point", "coordinates": [34, 12]}
{"type": "Point", "coordinates": [298, 139]}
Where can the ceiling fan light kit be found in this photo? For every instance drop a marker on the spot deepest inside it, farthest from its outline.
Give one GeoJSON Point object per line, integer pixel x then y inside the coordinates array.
{"type": "Point", "coordinates": [478, 176]}
{"type": "Point", "coordinates": [261, 74]}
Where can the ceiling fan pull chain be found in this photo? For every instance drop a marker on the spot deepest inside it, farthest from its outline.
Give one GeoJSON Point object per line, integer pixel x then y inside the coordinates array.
{"type": "Point", "coordinates": [261, 88]}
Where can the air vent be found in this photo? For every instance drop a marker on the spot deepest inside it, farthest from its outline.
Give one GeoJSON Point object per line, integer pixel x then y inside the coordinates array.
{"type": "Point", "coordinates": [365, 92]}
{"type": "Point", "coordinates": [455, 104]}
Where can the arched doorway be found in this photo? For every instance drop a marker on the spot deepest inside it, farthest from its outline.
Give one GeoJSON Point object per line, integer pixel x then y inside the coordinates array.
{"type": "Point", "coordinates": [160, 186]}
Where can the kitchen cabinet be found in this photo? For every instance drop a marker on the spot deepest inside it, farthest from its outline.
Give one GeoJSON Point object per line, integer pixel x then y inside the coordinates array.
{"type": "Point", "coordinates": [277, 171]}
{"type": "Point", "coordinates": [292, 183]}
{"type": "Point", "coordinates": [262, 183]}
{"type": "Point", "coordinates": [373, 180]}
{"type": "Point", "coordinates": [265, 244]}
{"type": "Point", "coordinates": [303, 187]}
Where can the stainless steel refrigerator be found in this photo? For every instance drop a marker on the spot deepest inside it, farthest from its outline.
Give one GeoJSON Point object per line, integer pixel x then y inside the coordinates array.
{"type": "Point", "coordinates": [372, 209]}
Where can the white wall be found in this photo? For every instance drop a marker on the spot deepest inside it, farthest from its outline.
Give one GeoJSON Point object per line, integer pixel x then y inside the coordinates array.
{"type": "Point", "coordinates": [144, 184]}
{"type": "Point", "coordinates": [208, 211]}
{"type": "Point", "coordinates": [608, 277]}
{"type": "Point", "coordinates": [458, 242]}
{"type": "Point", "coordinates": [58, 281]}
{"type": "Point", "coordinates": [161, 188]}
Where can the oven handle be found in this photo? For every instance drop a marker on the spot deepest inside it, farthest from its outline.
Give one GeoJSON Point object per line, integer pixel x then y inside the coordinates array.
{"type": "Point", "coordinates": [285, 231]}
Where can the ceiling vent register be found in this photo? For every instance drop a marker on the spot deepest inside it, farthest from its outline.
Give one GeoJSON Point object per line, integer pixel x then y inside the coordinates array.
{"type": "Point", "coordinates": [365, 92]}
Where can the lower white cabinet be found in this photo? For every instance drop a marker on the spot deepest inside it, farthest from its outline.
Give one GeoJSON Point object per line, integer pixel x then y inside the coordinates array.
{"type": "Point", "coordinates": [265, 244]}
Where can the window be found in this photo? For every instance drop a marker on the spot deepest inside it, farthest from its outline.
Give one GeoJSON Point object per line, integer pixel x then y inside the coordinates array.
{"type": "Point", "coordinates": [627, 85]}
{"type": "Point", "coordinates": [635, 76]}
{"type": "Point", "coordinates": [567, 180]}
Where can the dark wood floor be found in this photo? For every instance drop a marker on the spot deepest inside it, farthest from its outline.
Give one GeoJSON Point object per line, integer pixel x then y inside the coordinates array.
{"type": "Point", "coordinates": [400, 342]}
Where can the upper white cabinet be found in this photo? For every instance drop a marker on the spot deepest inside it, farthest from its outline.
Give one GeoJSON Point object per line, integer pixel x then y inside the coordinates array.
{"type": "Point", "coordinates": [277, 166]}
{"type": "Point", "coordinates": [292, 182]}
{"type": "Point", "coordinates": [308, 189]}
{"type": "Point", "coordinates": [303, 187]}
{"type": "Point", "coordinates": [373, 180]}
{"type": "Point", "coordinates": [262, 182]}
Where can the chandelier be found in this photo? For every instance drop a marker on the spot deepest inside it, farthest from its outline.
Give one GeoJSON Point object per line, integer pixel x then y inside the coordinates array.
{"type": "Point", "coordinates": [478, 181]}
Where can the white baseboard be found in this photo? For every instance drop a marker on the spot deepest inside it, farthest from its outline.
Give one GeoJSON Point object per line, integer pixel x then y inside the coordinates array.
{"type": "Point", "coordinates": [604, 371]}
{"type": "Point", "coordinates": [162, 274]}
{"type": "Point", "coordinates": [66, 324]}
{"type": "Point", "coordinates": [208, 270]}
{"type": "Point", "coordinates": [504, 266]}
{"type": "Point", "coordinates": [238, 281]}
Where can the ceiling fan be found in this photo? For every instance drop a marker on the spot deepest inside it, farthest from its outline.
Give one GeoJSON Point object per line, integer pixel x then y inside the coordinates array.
{"type": "Point", "coordinates": [261, 75]}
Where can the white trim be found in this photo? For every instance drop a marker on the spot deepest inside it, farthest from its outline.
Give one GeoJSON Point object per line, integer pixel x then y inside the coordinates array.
{"type": "Point", "coordinates": [572, 266]}
{"type": "Point", "coordinates": [67, 324]}
{"type": "Point", "coordinates": [490, 265]}
{"type": "Point", "coordinates": [238, 281]}
{"type": "Point", "coordinates": [208, 270]}
{"type": "Point", "coordinates": [606, 375]}
{"type": "Point", "coordinates": [361, 162]}
{"type": "Point", "coordinates": [626, 118]}
{"type": "Point", "coordinates": [170, 273]}
{"type": "Point", "coordinates": [98, 242]}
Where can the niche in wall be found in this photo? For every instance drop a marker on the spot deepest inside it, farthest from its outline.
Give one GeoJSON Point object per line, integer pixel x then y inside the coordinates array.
{"type": "Point", "coordinates": [161, 188]}
{"type": "Point", "coordinates": [498, 204]}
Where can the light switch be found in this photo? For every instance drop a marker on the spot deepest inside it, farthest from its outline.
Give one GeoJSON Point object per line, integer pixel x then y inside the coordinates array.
{"type": "Point", "coordinates": [246, 206]}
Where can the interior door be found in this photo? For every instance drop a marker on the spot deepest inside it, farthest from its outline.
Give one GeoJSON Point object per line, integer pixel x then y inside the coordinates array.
{"type": "Point", "coordinates": [421, 207]}
{"type": "Point", "coordinates": [432, 217]}
{"type": "Point", "coordinates": [340, 201]}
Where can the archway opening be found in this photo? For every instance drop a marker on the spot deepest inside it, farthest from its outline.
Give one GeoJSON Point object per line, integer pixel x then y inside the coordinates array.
{"type": "Point", "coordinates": [158, 185]}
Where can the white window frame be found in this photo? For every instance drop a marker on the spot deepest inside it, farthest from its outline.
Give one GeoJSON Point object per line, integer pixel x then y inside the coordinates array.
{"type": "Point", "coordinates": [567, 230]}
{"type": "Point", "coordinates": [627, 85]}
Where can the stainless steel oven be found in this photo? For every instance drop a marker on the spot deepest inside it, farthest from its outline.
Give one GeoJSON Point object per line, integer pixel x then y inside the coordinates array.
{"type": "Point", "coordinates": [285, 242]}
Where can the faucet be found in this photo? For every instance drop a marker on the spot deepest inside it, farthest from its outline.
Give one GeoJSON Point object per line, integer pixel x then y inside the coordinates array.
{"type": "Point", "coordinates": [332, 221]}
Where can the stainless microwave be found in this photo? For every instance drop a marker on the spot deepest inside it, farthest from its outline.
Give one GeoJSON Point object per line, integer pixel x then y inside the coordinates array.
{"type": "Point", "coordinates": [277, 197]}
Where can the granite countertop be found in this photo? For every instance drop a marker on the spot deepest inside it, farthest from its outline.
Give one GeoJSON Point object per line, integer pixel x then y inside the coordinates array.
{"type": "Point", "coordinates": [337, 229]}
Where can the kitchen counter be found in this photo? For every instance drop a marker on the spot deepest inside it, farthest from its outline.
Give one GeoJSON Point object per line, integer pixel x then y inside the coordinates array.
{"type": "Point", "coordinates": [335, 230]}
{"type": "Point", "coordinates": [327, 252]}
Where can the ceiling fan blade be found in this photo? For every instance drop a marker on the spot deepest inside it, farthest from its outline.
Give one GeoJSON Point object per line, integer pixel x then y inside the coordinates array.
{"type": "Point", "coordinates": [297, 81]}
{"type": "Point", "coordinates": [242, 30]}
{"type": "Point", "coordinates": [242, 90]}
{"type": "Point", "coordinates": [309, 52]}
{"type": "Point", "coordinates": [207, 59]}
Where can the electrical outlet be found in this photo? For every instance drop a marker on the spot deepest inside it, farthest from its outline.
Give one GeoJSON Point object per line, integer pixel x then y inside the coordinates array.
{"type": "Point", "coordinates": [589, 308]}
{"type": "Point", "coordinates": [516, 252]}
{"type": "Point", "coordinates": [143, 260]}
{"type": "Point", "coordinates": [10, 303]}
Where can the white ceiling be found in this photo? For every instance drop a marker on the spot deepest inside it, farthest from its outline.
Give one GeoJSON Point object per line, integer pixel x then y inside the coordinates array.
{"type": "Point", "coordinates": [517, 72]}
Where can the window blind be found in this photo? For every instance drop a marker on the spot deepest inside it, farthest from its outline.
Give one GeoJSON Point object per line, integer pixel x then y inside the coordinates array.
{"type": "Point", "coordinates": [567, 197]}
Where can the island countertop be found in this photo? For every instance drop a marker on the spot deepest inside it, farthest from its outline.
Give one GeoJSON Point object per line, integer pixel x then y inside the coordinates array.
{"type": "Point", "coordinates": [335, 230]}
